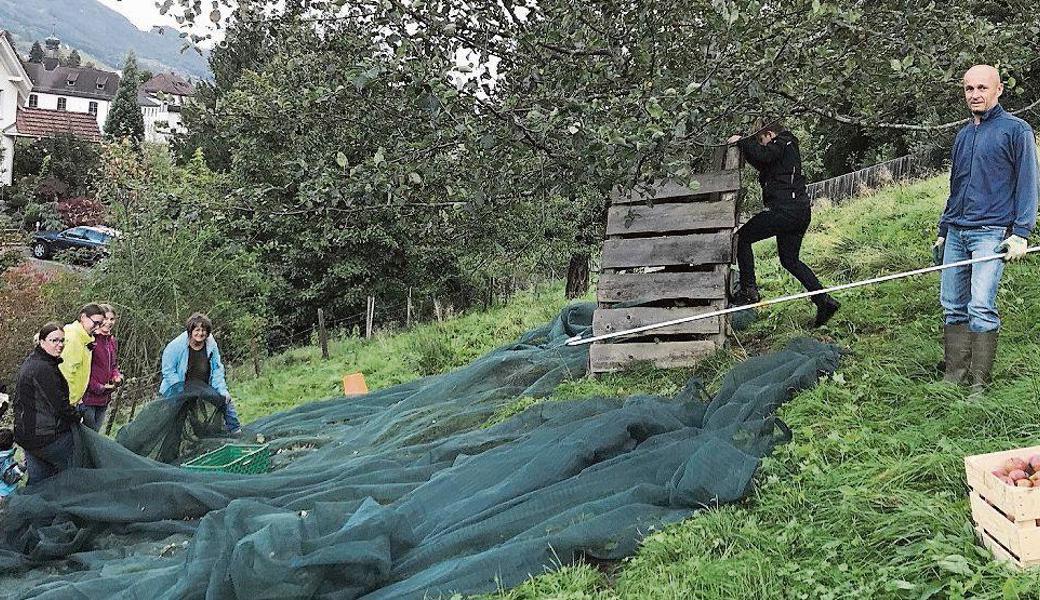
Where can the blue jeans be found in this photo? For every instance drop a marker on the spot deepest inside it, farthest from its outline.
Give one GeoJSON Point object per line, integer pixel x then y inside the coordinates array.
{"type": "Point", "coordinates": [969, 294]}
{"type": "Point", "coordinates": [49, 460]}
{"type": "Point", "coordinates": [93, 416]}
{"type": "Point", "coordinates": [231, 417]}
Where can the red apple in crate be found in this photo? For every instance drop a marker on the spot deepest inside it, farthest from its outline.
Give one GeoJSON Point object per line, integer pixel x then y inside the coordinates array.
{"type": "Point", "coordinates": [1007, 480]}
{"type": "Point", "coordinates": [1024, 483]}
{"type": "Point", "coordinates": [1015, 464]}
{"type": "Point", "coordinates": [1018, 474]}
{"type": "Point", "coordinates": [1000, 472]}
{"type": "Point", "coordinates": [1034, 462]}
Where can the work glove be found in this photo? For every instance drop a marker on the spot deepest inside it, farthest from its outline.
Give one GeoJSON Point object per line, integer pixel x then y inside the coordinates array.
{"type": "Point", "coordinates": [938, 249]}
{"type": "Point", "coordinates": [1014, 247]}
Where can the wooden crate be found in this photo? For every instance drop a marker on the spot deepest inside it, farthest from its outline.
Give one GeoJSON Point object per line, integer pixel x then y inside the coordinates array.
{"type": "Point", "coordinates": [1006, 518]}
{"type": "Point", "coordinates": [666, 256]}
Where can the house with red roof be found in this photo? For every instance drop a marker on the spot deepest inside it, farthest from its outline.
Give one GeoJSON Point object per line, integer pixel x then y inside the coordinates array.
{"type": "Point", "coordinates": [162, 98]}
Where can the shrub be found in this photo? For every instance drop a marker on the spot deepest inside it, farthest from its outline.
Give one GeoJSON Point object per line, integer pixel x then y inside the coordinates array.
{"type": "Point", "coordinates": [81, 210]}
{"type": "Point", "coordinates": [28, 299]}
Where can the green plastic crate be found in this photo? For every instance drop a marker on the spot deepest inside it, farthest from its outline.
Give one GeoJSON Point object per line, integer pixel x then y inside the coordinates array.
{"type": "Point", "coordinates": [233, 458]}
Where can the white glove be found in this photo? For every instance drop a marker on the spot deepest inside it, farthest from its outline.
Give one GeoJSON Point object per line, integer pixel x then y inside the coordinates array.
{"type": "Point", "coordinates": [939, 241]}
{"type": "Point", "coordinates": [1015, 246]}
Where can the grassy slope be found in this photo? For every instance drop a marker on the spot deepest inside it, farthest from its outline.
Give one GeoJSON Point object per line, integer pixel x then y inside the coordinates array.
{"type": "Point", "coordinates": [868, 499]}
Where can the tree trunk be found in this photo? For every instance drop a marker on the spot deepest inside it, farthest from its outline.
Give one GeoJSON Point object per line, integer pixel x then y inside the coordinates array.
{"type": "Point", "coordinates": [578, 276]}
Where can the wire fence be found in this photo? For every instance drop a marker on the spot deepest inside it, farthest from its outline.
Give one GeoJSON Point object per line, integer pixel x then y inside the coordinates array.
{"type": "Point", "coordinates": [856, 183]}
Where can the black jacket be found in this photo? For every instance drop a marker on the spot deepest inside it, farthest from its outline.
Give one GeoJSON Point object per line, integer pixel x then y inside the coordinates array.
{"type": "Point", "coordinates": [41, 402]}
{"type": "Point", "coordinates": [779, 165]}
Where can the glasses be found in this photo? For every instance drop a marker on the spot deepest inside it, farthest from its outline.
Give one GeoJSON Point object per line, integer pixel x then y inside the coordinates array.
{"type": "Point", "coordinates": [97, 323]}
{"type": "Point", "coordinates": [60, 340]}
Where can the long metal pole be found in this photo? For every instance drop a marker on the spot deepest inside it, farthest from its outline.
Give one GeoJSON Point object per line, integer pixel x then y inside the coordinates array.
{"type": "Point", "coordinates": [578, 340]}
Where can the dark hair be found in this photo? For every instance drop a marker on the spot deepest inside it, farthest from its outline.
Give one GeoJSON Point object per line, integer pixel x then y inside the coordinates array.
{"type": "Point", "coordinates": [48, 329]}
{"type": "Point", "coordinates": [774, 125]}
{"type": "Point", "coordinates": [6, 439]}
{"type": "Point", "coordinates": [108, 309]}
{"type": "Point", "coordinates": [198, 320]}
{"type": "Point", "coordinates": [92, 310]}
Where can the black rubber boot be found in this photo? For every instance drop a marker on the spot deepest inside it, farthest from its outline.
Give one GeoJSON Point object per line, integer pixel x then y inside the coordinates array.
{"type": "Point", "coordinates": [825, 309]}
{"type": "Point", "coordinates": [983, 353]}
{"type": "Point", "coordinates": [747, 294]}
{"type": "Point", "coordinates": [957, 348]}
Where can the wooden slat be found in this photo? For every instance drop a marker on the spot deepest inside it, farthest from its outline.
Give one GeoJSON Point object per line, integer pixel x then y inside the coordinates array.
{"type": "Point", "coordinates": [1022, 539]}
{"type": "Point", "coordinates": [680, 216]}
{"type": "Point", "coordinates": [665, 355]}
{"type": "Point", "coordinates": [1000, 553]}
{"type": "Point", "coordinates": [609, 320]}
{"type": "Point", "coordinates": [693, 249]}
{"type": "Point", "coordinates": [652, 287]}
{"type": "Point", "coordinates": [709, 183]}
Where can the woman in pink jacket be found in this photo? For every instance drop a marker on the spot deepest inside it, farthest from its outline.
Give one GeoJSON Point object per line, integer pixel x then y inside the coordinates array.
{"type": "Point", "coordinates": [104, 372]}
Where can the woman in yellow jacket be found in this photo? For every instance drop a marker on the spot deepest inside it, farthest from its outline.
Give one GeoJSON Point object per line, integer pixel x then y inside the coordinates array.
{"type": "Point", "coordinates": [76, 356]}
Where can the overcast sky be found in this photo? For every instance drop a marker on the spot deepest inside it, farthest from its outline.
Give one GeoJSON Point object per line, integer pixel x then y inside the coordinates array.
{"type": "Point", "coordinates": [144, 15]}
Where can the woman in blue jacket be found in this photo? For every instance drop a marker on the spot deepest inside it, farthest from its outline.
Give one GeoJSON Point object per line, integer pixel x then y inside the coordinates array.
{"type": "Point", "coordinates": [193, 357]}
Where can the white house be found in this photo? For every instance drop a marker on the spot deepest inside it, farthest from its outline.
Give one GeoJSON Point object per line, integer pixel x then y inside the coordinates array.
{"type": "Point", "coordinates": [14, 92]}
{"type": "Point", "coordinates": [161, 99]}
{"type": "Point", "coordinates": [85, 90]}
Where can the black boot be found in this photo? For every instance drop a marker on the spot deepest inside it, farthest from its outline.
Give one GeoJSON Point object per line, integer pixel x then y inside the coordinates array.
{"type": "Point", "coordinates": [747, 294]}
{"type": "Point", "coordinates": [825, 309]}
{"type": "Point", "coordinates": [957, 348]}
{"type": "Point", "coordinates": [983, 353]}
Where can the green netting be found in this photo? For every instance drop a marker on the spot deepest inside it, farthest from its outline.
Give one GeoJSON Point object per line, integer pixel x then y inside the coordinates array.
{"type": "Point", "coordinates": [404, 492]}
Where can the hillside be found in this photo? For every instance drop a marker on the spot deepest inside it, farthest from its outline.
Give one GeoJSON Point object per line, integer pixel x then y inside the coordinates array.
{"type": "Point", "coordinates": [868, 499]}
{"type": "Point", "coordinates": [98, 32]}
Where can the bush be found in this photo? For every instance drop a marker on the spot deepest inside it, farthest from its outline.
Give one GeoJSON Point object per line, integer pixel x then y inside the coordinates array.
{"type": "Point", "coordinates": [28, 299]}
{"type": "Point", "coordinates": [81, 210]}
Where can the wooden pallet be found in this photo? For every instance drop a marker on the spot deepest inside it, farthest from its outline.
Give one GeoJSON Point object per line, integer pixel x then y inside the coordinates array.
{"type": "Point", "coordinates": [1006, 518]}
{"type": "Point", "coordinates": [666, 256]}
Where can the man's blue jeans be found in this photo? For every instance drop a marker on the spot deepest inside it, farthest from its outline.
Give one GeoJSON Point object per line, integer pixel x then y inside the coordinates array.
{"type": "Point", "coordinates": [969, 294]}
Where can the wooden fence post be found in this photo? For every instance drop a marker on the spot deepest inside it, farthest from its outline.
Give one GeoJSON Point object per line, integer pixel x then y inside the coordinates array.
{"type": "Point", "coordinates": [408, 311]}
{"type": "Point", "coordinates": [110, 417]}
{"type": "Point", "coordinates": [437, 310]}
{"type": "Point", "coordinates": [254, 349]}
{"type": "Point", "coordinates": [323, 335]}
{"type": "Point", "coordinates": [370, 315]}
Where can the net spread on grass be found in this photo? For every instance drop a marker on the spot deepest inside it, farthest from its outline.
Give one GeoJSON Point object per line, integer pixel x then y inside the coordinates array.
{"type": "Point", "coordinates": [406, 492]}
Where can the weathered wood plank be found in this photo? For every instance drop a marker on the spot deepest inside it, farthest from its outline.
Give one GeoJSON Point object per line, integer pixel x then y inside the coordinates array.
{"type": "Point", "coordinates": [693, 249]}
{"type": "Point", "coordinates": [709, 183]}
{"type": "Point", "coordinates": [609, 320]}
{"type": "Point", "coordinates": [660, 218]}
{"type": "Point", "coordinates": [665, 355]}
{"type": "Point", "coordinates": [652, 287]}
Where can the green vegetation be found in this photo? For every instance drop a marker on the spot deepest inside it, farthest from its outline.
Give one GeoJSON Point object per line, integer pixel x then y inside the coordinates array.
{"type": "Point", "coordinates": [868, 499]}
{"type": "Point", "coordinates": [301, 375]}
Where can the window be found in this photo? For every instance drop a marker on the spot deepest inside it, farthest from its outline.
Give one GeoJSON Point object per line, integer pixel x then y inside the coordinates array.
{"type": "Point", "coordinates": [92, 108]}
{"type": "Point", "coordinates": [62, 103]}
{"type": "Point", "coordinates": [34, 101]}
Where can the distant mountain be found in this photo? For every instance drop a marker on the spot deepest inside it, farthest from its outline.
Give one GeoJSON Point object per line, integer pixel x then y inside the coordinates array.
{"type": "Point", "coordinates": [99, 32]}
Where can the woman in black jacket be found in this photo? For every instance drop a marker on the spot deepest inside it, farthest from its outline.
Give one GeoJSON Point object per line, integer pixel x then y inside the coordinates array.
{"type": "Point", "coordinates": [43, 417]}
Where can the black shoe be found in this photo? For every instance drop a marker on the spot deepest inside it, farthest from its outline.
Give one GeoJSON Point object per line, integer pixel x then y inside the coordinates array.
{"type": "Point", "coordinates": [825, 309]}
{"type": "Point", "coordinates": [747, 294]}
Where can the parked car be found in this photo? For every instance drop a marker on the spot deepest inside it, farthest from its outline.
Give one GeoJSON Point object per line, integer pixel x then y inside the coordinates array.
{"type": "Point", "coordinates": [93, 239]}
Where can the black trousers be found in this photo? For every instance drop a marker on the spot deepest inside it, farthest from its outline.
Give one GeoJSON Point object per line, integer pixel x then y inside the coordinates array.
{"type": "Point", "coordinates": [788, 225]}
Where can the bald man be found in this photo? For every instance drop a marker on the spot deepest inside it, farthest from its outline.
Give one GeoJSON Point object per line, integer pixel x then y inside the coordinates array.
{"type": "Point", "coordinates": [991, 208]}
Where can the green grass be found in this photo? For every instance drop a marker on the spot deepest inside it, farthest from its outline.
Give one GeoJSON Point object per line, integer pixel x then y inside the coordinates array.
{"type": "Point", "coordinates": [868, 500]}
{"type": "Point", "coordinates": [389, 358]}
